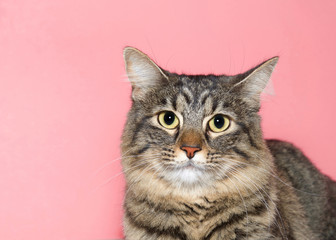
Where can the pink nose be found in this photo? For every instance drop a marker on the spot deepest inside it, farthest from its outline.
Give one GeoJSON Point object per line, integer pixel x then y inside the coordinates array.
{"type": "Point", "coordinates": [190, 150]}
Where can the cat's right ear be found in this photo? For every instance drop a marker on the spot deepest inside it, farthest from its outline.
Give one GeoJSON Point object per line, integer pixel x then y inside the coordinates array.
{"type": "Point", "coordinates": [142, 72]}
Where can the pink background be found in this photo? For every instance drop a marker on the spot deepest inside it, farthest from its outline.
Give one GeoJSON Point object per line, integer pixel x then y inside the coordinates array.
{"type": "Point", "coordinates": [64, 98]}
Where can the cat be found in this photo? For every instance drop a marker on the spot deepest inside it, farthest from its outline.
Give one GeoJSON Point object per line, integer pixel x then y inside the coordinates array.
{"type": "Point", "coordinates": [197, 166]}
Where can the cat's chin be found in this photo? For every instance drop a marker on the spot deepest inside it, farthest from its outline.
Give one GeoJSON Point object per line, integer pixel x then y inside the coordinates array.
{"type": "Point", "coordinates": [188, 173]}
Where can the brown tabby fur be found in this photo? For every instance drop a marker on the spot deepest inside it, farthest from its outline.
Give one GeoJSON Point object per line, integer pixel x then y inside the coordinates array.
{"type": "Point", "coordinates": [238, 187]}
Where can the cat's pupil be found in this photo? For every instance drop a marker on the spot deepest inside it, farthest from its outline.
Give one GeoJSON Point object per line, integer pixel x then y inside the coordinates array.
{"type": "Point", "coordinates": [219, 121]}
{"type": "Point", "coordinates": [169, 118]}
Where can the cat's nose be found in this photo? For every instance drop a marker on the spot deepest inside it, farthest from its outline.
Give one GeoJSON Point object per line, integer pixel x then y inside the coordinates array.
{"type": "Point", "coordinates": [191, 150]}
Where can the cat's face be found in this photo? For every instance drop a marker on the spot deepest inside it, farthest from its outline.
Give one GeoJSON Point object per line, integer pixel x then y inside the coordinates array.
{"type": "Point", "coordinates": [191, 130]}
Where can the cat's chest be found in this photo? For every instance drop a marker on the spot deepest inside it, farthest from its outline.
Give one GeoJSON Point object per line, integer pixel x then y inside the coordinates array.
{"type": "Point", "coordinates": [196, 219]}
{"type": "Point", "coordinates": [199, 221]}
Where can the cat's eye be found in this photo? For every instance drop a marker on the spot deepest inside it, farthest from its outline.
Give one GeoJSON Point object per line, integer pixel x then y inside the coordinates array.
{"type": "Point", "coordinates": [168, 120]}
{"type": "Point", "coordinates": [219, 123]}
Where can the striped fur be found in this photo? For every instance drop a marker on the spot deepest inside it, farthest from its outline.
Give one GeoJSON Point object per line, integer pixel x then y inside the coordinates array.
{"type": "Point", "coordinates": [238, 186]}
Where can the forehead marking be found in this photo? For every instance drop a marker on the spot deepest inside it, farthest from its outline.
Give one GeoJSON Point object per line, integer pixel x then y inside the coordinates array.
{"type": "Point", "coordinates": [208, 106]}
{"type": "Point", "coordinates": [204, 96]}
{"type": "Point", "coordinates": [187, 92]}
{"type": "Point", "coordinates": [186, 97]}
{"type": "Point", "coordinates": [173, 103]}
{"type": "Point", "coordinates": [181, 104]}
{"type": "Point", "coordinates": [195, 95]}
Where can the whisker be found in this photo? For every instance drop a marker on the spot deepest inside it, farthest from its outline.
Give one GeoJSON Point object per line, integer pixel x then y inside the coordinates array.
{"type": "Point", "coordinates": [247, 221]}
{"type": "Point", "coordinates": [143, 162]}
{"type": "Point", "coordinates": [251, 190]}
{"type": "Point", "coordinates": [132, 183]}
{"type": "Point", "coordinates": [258, 187]}
{"type": "Point", "coordinates": [96, 172]}
{"type": "Point", "coordinates": [111, 178]}
{"type": "Point", "coordinates": [273, 175]}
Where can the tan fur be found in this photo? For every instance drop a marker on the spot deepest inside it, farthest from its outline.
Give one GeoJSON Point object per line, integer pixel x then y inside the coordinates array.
{"type": "Point", "coordinates": [236, 186]}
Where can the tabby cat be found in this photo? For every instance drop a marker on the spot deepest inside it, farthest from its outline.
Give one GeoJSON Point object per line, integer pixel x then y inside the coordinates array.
{"type": "Point", "coordinates": [197, 166]}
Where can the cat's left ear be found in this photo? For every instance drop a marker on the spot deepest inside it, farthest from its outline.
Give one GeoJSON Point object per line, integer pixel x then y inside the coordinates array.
{"type": "Point", "coordinates": [255, 80]}
{"type": "Point", "coordinates": [142, 72]}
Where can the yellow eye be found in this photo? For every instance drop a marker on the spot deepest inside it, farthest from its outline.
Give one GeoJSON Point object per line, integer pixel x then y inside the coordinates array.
{"type": "Point", "coordinates": [219, 123]}
{"type": "Point", "coordinates": [168, 120]}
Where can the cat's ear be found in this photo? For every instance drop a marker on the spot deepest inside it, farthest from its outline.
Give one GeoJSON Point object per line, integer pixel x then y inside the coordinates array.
{"type": "Point", "coordinates": [142, 72]}
{"type": "Point", "coordinates": [255, 80]}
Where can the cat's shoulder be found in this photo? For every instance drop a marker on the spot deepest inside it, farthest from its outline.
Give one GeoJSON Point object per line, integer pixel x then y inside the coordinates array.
{"type": "Point", "coordinates": [316, 191]}
{"type": "Point", "coordinates": [289, 158]}
{"type": "Point", "coordinates": [285, 151]}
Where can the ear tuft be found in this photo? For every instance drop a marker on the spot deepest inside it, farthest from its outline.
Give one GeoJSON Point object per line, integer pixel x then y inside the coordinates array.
{"type": "Point", "coordinates": [256, 79]}
{"type": "Point", "coordinates": [142, 72]}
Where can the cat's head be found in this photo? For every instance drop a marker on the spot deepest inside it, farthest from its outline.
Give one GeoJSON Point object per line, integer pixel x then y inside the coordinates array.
{"type": "Point", "coordinates": [192, 130]}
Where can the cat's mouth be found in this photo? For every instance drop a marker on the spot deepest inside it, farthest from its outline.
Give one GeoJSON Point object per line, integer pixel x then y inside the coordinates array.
{"type": "Point", "coordinates": [190, 165]}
